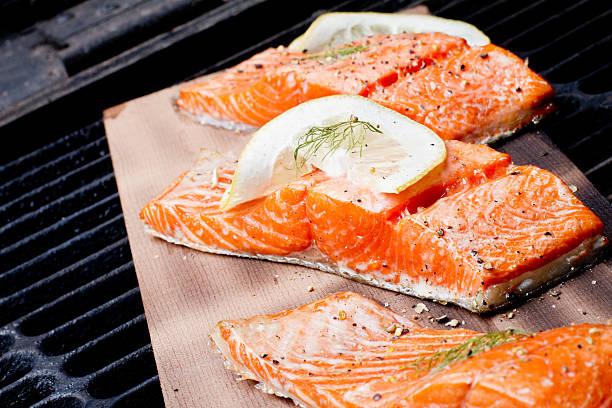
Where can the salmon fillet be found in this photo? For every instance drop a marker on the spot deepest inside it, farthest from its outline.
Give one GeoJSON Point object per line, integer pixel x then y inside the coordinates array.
{"type": "Point", "coordinates": [468, 93]}
{"type": "Point", "coordinates": [347, 351]}
{"type": "Point", "coordinates": [476, 231]}
{"type": "Point", "coordinates": [478, 96]}
{"type": "Point", "coordinates": [276, 80]}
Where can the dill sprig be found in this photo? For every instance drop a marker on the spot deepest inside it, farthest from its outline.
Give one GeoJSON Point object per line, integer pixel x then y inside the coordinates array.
{"type": "Point", "coordinates": [352, 132]}
{"type": "Point", "coordinates": [343, 52]}
{"type": "Point", "coordinates": [437, 361]}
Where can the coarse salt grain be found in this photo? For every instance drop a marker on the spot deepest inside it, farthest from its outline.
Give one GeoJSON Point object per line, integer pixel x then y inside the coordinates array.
{"type": "Point", "coordinates": [420, 308]}
{"type": "Point", "coordinates": [452, 323]}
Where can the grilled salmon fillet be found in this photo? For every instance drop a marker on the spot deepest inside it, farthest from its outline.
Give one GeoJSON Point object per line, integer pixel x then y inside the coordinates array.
{"type": "Point", "coordinates": [478, 96]}
{"type": "Point", "coordinates": [347, 351]}
{"type": "Point", "coordinates": [475, 94]}
{"type": "Point", "coordinates": [475, 231]}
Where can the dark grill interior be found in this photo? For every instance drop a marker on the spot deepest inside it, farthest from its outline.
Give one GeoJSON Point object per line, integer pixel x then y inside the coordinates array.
{"type": "Point", "coordinates": [73, 331]}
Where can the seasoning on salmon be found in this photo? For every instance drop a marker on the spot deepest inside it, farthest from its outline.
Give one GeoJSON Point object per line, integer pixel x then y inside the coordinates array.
{"type": "Point", "coordinates": [318, 361]}
{"type": "Point", "coordinates": [465, 96]}
{"type": "Point", "coordinates": [476, 231]}
{"type": "Point", "coordinates": [478, 96]}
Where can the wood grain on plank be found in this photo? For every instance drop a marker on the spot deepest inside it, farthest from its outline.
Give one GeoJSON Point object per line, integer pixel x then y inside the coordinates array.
{"type": "Point", "coordinates": [186, 292]}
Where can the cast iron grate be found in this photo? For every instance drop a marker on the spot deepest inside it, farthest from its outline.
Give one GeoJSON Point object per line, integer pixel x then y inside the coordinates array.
{"type": "Point", "coordinates": [72, 327]}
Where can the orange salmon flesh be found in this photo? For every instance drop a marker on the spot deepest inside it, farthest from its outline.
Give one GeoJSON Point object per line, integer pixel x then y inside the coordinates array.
{"type": "Point", "coordinates": [347, 351]}
{"type": "Point", "coordinates": [475, 94]}
{"type": "Point", "coordinates": [475, 231]}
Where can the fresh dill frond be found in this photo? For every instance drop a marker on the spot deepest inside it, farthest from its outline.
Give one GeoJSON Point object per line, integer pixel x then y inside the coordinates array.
{"type": "Point", "coordinates": [437, 361]}
{"type": "Point", "coordinates": [352, 132]}
{"type": "Point", "coordinates": [343, 52]}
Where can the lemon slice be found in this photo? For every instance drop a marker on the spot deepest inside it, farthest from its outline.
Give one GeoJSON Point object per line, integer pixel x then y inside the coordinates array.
{"type": "Point", "coordinates": [333, 29]}
{"type": "Point", "coordinates": [343, 135]}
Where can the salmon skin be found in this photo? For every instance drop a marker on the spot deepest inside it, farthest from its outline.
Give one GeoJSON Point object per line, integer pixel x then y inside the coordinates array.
{"type": "Point", "coordinates": [347, 351]}
{"type": "Point", "coordinates": [475, 94]}
{"type": "Point", "coordinates": [477, 231]}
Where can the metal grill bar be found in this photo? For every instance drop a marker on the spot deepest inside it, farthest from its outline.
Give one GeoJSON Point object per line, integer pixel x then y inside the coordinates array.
{"type": "Point", "coordinates": [449, 5]}
{"type": "Point", "coordinates": [43, 174]}
{"type": "Point", "coordinates": [62, 309]}
{"type": "Point", "coordinates": [47, 152]}
{"type": "Point", "coordinates": [597, 82]}
{"type": "Point", "coordinates": [137, 395]}
{"type": "Point", "coordinates": [577, 57]}
{"type": "Point", "coordinates": [48, 238]}
{"type": "Point", "coordinates": [116, 344]}
{"type": "Point", "coordinates": [60, 402]}
{"type": "Point", "coordinates": [549, 54]}
{"type": "Point", "coordinates": [552, 18]}
{"type": "Point", "coordinates": [61, 207]}
{"type": "Point", "coordinates": [14, 366]}
{"type": "Point", "coordinates": [33, 297]}
{"type": "Point", "coordinates": [90, 325]}
{"type": "Point", "coordinates": [588, 123]}
{"type": "Point", "coordinates": [600, 167]}
{"type": "Point", "coordinates": [500, 11]}
{"type": "Point", "coordinates": [485, 10]}
{"type": "Point", "coordinates": [54, 189]}
{"type": "Point", "coordinates": [27, 390]}
{"type": "Point", "coordinates": [591, 140]}
{"type": "Point", "coordinates": [523, 10]}
{"type": "Point", "coordinates": [59, 257]}
{"type": "Point", "coordinates": [132, 369]}
{"type": "Point", "coordinates": [524, 14]}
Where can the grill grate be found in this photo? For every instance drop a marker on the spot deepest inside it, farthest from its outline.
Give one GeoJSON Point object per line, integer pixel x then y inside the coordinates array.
{"type": "Point", "coordinates": [566, 41]}
{"type": "Point", "coordinates": [72, 327]}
